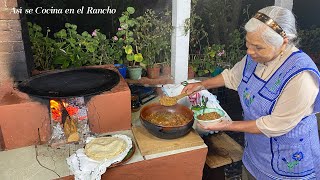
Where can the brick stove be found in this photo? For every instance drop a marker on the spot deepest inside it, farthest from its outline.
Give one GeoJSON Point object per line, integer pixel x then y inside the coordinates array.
{"type": "Point", "coordinates": [25, 120]}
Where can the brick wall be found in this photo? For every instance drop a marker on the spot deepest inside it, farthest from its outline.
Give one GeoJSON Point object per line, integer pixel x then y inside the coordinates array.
{"type": "Point", "coordinates": [14, 43]}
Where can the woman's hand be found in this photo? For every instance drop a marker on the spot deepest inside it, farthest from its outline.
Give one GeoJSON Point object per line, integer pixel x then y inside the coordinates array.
{"type": "Point", "coordinates": [192, 88]}
{"type": "Point", "coordinates": [220, 126]}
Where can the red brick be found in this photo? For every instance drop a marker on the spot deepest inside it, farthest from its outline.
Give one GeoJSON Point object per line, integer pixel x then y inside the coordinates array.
{"type": "Point", "coordinates": [6, 47]}
{"type": "Point", "coordinates": [11, 47]}
{"type": "Point", "coordinates": [9, 36]}
{"type": "Point", "coordinates": [11, 3]}
{"type": "Point", "coordinates": [2, 4]}
{"type": "Point", "coordinates": [18, 47]}
{"type": "Point", "coordinates": [111, 111]}
{"type": "Point", "coordinates": [8, 15]}
{"type": "Point", "coordinates": [14, 25]}
{"type": "Point", "coordinates": [4, 25]}
{"type": "Point", "coordinates": [20, 123]}
{"type": "Point", "coordinates": [5, 73]}
{"type": "Point", "coordinates": [10, 57]}
{"type": "Point", "coordinates": [13, 65]}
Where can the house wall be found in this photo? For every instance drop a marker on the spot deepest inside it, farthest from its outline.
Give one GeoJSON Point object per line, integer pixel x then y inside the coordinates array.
{"type": "Point", "coordinates": [15, 63]}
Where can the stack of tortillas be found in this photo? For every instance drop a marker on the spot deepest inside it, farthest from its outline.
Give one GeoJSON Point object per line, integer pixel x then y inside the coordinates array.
{"type": "Point", "coordinates": [99, 153]}
{"type": "Point", "coordinates": [105, 148]}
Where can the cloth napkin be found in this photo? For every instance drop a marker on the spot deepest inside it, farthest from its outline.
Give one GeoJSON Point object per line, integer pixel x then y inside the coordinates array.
{"type": "Point", "coordinates": [85, 168]}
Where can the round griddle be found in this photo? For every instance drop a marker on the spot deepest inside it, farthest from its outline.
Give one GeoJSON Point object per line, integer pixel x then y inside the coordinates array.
{"type": "Point", "coordinates": [70, 83]}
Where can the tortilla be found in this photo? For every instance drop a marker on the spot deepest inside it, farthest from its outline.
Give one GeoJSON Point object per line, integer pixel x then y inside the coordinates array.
{"type": "Point", "coordinates": [105, 148]}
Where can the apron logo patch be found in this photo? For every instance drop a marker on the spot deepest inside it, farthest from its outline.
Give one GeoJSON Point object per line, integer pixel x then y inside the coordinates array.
{"type": "Point", "coordinates": [298, 156]}
{"type": "Point", "coordinates": [247, 97]}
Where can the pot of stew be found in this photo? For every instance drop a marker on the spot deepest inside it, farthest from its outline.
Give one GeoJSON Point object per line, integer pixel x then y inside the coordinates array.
{"type": "Point", "coordinates": [167, 122]}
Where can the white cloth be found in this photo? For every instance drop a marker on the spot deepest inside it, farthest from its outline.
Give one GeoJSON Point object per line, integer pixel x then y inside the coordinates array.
{"type": "Point", "coordinates": [85, 168]}
{"type": "Point", "coordinates": [189, 101]}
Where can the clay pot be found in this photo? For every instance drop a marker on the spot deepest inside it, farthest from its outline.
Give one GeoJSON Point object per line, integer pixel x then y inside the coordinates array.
{"type": "Point", "coordinates": [191, 73]}
{"type": "Point", "coordinates": [153, 72]}
{"type": "Point", "coordinates": [166, 70]}
{"type": "Point", "coordinates": [166, 132]}
{"type": "Point", "coordinates": [135, 72]}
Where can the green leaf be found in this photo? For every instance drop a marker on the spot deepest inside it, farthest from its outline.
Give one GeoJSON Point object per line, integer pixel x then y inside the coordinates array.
{"type": "Point", "coordinates": [59, 60]}
{"type": "Point", "coordinates": [138, 57]}
{"type": "Point", "coordinates": [122, 19]}
{"type": "Point", "coordinates": [130, 40]}
{"type": "Point", "coordinates": [212, 53]}
{"type": "Point", "coordinates": [130, 57]}
{"type": "Point", "coordinates": [130, 10]}
{"type": "Point", "coordinates": [128, 49]}
{"type": "Point", "coordinates": [90, 48]}
{"type": "Point", "coordinates": [61, 34]}
{"type": "Point", "coordinates": [65, 65]}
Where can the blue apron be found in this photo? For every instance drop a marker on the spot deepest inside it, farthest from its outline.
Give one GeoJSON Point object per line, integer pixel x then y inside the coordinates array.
{"type": "Point", "coordinates": [295, 155]}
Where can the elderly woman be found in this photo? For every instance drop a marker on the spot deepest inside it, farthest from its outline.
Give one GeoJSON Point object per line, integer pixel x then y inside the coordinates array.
{"type": "Point", "coordinates": [278, 86]}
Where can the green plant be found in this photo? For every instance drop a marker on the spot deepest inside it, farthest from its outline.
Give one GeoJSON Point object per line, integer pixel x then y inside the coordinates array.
{"type": "Point", "coordinates": [165, 43]}
{"type": "Point", "coordinates": [126, 36]}
{"type": "Point", "coordinates": [70, 49]}
{"type": "Point", "coordinates": [198, 35]}
{"type": "Point", "coordinates": [153, 36]}
{"type": "Point", "coordinates": [309, 40]}
{"type": "Point", "coordinates": [42, 47]}
{"type": "Point", "coordinates": [74, 48]}
{"type": "Point", "coordinates": [206, 63]}
{"type": "Point", "coordinates": [234, 50]}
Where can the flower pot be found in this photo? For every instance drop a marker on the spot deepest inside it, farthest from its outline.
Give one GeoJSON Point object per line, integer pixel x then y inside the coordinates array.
{"type": "Point", "coordinates": [135, 72]}
{"type": "Point", "coordinates": [191, 73]}
{"type": "Point", "coordinates": [122, 69]}
{"type": "Point", "coordinates": [166, 70]}
{"type": "Point", "coordinates": [153, 72]}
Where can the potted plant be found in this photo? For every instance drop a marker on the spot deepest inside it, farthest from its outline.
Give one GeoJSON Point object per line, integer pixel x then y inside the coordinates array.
{"type": "Point", "coordinates": [152, 37]}
{"type": "Point", "coordinates": [165, 43]}
{"type": "Point", "coordinates": [42, 47]}
{"type": "Point", "coordinates": [116, 52]}
{"type": "Point", "coordinates": [195, 61]}
{"type": "Point", "coordinates": [125, 35]}
{"type": "Point", "coordinates": [148, 37]}
{"type": "Point", "coordinates": [166, 64]}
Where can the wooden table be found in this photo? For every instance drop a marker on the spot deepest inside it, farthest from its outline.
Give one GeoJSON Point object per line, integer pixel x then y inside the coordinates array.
{"type": "Point", "coordinates": [222, 150]}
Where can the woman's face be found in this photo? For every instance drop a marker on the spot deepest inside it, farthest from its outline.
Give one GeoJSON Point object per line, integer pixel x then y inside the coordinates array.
{"type": "Point", "coordinates": [258, 49]}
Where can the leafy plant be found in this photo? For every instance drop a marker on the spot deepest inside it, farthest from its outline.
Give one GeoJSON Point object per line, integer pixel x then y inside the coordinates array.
{"type": "Point", "coordinates": [235, 51]}
{"type": "Point", "coordinates": [213, 57]}
{"type": "Point", "coordinates": [74, 48]}
{"type": "Point", "coordinates": [126, 35]}
{"type": "Point", "coordinates": [198, 35]}
{"type": "Point", "coordinates": [309, 40]}
{"type": "Point", "coordinates": [70, 49]}
{"type": "Point", "coordinates": [42, 47]}
{"type": "Point", "coordinates": [153, 36]}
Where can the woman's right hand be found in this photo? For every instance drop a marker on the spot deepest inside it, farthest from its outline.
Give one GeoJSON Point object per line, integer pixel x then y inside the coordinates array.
{"type": "Point", "coordinates": [192, 88]}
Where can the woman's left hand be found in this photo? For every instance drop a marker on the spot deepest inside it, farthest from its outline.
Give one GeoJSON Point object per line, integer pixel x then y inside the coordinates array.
{"type": "Point", "coordinates": [220, 126]}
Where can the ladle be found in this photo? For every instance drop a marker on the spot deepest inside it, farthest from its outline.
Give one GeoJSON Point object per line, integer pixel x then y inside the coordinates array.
{"type": "Point", "coordinates": [170, 101]}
